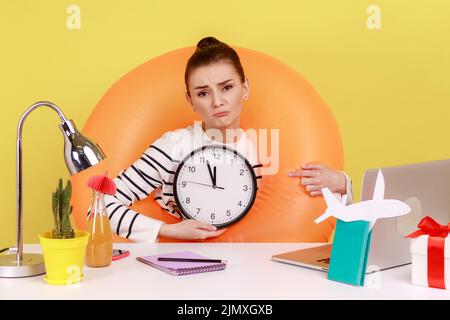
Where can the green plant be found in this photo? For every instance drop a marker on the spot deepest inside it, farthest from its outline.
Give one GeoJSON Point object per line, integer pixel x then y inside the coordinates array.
{"type": "Point", "coordinates": [61, 211]}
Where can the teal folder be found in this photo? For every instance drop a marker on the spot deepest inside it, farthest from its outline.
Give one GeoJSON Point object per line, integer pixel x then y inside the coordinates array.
{"type": "Point", "coordinates": [350, 252]}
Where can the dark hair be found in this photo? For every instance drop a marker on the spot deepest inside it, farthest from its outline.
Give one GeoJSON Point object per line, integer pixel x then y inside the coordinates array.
{"type": "Point", "coordinates": [211, 50]}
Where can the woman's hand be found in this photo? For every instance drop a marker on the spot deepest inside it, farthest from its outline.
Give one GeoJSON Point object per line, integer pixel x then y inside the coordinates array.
{"type": "Point", "coordinates": [317, 176]}
{"type": "Point", "coordinates": [189, 230]}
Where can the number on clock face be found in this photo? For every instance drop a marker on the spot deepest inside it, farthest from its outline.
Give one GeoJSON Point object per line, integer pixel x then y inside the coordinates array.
{"type": "Point", "coordinates": [215, 184]}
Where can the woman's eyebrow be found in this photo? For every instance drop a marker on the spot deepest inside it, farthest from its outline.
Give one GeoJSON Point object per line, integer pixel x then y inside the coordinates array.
{"type": "Point", "coordinates": [223, 82]}
{"type": "Point", "coordinates": [201, 87]}
{"type": "Point", "coordinates": [206, 86]}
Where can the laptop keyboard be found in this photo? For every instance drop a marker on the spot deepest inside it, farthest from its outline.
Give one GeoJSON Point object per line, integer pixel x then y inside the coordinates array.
{"type": "Point", "coordinates": [326, 260]}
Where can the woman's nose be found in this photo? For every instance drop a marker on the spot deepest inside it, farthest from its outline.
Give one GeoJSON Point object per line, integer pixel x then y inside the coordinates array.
{"type": "Point", "coordinates": [217, 100]}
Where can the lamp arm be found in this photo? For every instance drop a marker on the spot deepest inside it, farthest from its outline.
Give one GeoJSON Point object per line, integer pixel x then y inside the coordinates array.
{"type": "Point", "coordinates": [35, 106]}
{"type": "Point", "coordinates": [19, 170]}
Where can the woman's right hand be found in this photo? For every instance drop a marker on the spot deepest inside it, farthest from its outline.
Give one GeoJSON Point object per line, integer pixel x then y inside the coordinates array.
{"type": "Point", "coordinates": [189, 230]}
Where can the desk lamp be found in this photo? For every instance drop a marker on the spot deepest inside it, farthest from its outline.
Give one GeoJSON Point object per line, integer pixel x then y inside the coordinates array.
{"type": "Point", "coordinates": [80, 153]}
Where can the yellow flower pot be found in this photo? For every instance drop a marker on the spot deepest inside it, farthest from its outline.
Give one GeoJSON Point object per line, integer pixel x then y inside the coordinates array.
{"type": "Point", "coordinates": [64, 258]}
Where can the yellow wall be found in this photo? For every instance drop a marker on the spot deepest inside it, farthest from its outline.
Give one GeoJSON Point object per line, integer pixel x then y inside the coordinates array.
{"type": "Point", "coordinates": [388, 88]}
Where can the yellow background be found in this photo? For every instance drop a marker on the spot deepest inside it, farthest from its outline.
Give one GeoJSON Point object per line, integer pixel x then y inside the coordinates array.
{"type": "Point", "coordinates": [389, 89]}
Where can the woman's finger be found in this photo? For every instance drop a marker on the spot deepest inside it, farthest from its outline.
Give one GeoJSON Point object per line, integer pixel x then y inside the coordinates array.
{"type": "Point", "coordinates": [205, 234]}
{"type": "Point", "coordinates": [313, 187]}
{"type": "Point", "coordinates": [310, 173]}
{"type": "Point", "coordinates": [313, 166]}
{"type": "Point", "coordinates": [206, 226]}
{"type": "Point", "coordinates": [304, 173]}
{"type": "Point", "coordinates": [307, 181]}
{"type": "Point", "coordinates": [296, 173]}
{"type": "Point", "coordinates": [316, 193]}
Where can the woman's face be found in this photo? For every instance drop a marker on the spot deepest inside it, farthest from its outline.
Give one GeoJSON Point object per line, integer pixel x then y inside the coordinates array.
{"type": "Point", "coordinates": [217, 94]}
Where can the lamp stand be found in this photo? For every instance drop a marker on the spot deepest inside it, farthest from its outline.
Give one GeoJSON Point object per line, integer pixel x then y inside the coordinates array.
{"type": "Point", "coordinates": [80, 153]}
{"type": "Point", "coordinates": [19, 264]}
{"type": "Point", "coordinates": [31, 265]}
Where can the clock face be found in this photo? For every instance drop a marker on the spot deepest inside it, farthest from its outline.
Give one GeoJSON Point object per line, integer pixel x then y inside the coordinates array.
{"type": "Point", "coordinates": [215, 184]}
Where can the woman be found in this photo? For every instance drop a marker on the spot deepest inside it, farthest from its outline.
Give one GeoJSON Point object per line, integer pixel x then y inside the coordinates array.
{"type": "Point", "coordinates": [216, 88]}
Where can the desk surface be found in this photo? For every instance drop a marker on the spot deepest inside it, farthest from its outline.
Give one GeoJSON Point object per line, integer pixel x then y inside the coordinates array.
{"type": "Point", "coordinates": [250, 274]}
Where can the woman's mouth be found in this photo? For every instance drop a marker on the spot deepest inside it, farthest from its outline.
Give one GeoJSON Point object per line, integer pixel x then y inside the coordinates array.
{"type": "Point", "coordinates": [221, 114]}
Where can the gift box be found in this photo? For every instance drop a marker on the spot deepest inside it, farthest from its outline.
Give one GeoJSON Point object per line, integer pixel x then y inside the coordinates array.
{"type": "Point", "coordinates": [430, 251]}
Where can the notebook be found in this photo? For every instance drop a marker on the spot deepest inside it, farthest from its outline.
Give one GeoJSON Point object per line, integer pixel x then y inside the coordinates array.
{"type": "Point", "coordinates": [177, 268]}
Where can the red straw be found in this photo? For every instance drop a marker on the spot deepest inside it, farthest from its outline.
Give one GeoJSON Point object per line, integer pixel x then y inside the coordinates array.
{"type": "Point", "coordinates": [102, 184]}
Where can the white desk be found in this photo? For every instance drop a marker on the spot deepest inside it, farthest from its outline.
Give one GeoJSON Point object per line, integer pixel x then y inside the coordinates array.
{"type": "Point", "coordinates": [250, 274]}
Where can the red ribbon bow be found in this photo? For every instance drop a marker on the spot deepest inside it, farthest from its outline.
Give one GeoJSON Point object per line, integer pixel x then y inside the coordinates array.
{"type": "Point", "coordinates": [436, 244]}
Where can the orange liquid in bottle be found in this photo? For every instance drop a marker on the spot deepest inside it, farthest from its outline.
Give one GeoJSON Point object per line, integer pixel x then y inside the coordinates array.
{"type": "Point", "coordinates": [99, 248]}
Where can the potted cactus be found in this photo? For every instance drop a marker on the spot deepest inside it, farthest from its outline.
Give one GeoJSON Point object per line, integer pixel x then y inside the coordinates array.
{"type": "Point", "coordinates": [61, 212]}
{"type": "Point", "coordinates": [64, 249]}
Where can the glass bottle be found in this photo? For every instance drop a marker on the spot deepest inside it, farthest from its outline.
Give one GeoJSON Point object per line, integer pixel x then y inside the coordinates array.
{"type": "Point", "coordinates": [99, 248]}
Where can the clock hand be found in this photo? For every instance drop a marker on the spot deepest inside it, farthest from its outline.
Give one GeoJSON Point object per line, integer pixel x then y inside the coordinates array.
{"type": "Point", "coordinates": [215, 178]}
{"type": "Point", "coordinates": [204, 184]}
{"type": "Point", "coordinates": [211, 174]}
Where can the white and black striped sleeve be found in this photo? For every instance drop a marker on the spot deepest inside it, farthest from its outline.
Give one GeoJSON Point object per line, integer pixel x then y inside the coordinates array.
{"type": "Point", "coordinates": [131, 224]}
{"type": "Point", "coordinates": [257, 169]}
{"type": "Point", "coordinates": [136, 183]}
{"type": "Point", "coordinates": [139, 180]}
{"type": "Point", "coordinates": [124, 221]}
{"type": "Point", "coordinates": [133, 184]}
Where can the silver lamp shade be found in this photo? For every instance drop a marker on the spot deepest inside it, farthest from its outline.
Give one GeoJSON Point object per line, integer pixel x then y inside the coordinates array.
{"type": "Point", "coordinates": [79, 152]}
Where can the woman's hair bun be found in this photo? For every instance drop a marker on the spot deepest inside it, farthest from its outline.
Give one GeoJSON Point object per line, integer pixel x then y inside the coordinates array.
{"type": "Point", "coordinates": [210, 50]}
{"type": "Point", "coordinates": [206, 42]}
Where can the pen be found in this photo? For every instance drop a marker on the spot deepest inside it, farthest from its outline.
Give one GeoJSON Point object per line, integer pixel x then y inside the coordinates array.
{"type": "Point", "coordinates": [191, 260]}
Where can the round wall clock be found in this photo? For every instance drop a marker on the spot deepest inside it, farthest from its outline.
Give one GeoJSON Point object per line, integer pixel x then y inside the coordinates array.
{"type": "Point", "coordinates": [215, 184]}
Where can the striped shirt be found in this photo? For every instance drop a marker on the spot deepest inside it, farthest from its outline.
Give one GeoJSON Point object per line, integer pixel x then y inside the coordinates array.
{"type": "Point", "coordinates": [153, 173]}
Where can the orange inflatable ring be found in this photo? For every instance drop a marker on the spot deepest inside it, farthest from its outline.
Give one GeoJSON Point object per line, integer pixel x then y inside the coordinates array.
{"type": "Point", "coordinates": [149, 100]}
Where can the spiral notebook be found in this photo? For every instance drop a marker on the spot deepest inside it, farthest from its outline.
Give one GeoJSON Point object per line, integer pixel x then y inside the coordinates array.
{"type": "Point", "coordinates": [177, 268]}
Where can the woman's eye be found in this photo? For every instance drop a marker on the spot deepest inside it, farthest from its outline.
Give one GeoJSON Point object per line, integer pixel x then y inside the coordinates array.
{"type": "Point", "coordinates": [201, 94]}
{"type": "Point", "coordinates": [228, 87]}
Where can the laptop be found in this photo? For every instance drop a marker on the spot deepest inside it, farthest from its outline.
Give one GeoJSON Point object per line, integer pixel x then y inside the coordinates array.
{"type": "Point", "coordinates": [425, 187]}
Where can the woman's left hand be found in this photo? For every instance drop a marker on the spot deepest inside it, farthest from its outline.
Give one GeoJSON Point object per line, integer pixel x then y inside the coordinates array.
{"type": "Point", "coordinates": [317, 176]}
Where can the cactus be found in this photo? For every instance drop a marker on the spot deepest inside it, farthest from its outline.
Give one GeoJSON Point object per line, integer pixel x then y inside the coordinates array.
{"type": "Point", "coordinates": [61, 211]}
